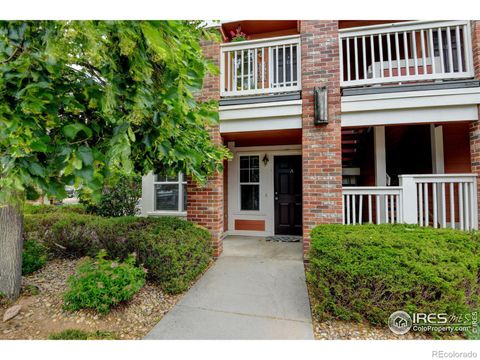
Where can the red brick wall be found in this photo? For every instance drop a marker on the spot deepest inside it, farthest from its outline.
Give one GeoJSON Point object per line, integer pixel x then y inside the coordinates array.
{"type": "Point", "coordinates": [475, 125]}
{"type": "Point", "coordinates": [205, 204]}
{"type": "Point", "coordinates": [321, 144]}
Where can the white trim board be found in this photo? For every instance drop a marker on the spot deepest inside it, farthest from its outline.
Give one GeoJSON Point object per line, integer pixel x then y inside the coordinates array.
{"type": "Point", "coordinates": [279, 123]}
{"type": "Point", "coordinates": [411, 99]}
{"type": "Point", "coordinates": [263, 116]}
{"type": "Point", "coordinates": [411, 116]}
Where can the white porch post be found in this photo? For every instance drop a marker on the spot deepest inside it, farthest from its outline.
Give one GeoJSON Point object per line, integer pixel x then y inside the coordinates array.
{"type": "Point", "coordinates": [380, 166]}
{"type": "Point", "coordinates": [438, 161]}
{"type": "Point", "coordinates": [409, 196]}
{"type": "Point", "coordinates": [147, 194]}
{"type": "Point", "coordinates": [436, 136]}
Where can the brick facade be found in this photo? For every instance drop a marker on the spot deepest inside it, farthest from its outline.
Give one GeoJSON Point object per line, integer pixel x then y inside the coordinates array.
{"type": "Point", "coordinates": [205, 204]}
{"type": "Point", "coordinates": [321, 144]}
{"type": "Point", "coordinates": [475, 125]}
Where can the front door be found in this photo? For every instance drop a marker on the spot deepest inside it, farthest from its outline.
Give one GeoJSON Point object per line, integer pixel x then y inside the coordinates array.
{"type": "Point", "coordinates": [288, 194]}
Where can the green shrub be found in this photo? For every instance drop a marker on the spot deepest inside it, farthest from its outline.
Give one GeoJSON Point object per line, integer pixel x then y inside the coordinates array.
{"type": "Point", "coordinates": [369, 271]}
{"type": "Point", "coordinates": [34, 257]}
{"type": "Point", "coordinates": [101, 284]}
{"type": "Point", "coordinates": [65, 235]}
{"type": "Point", "coordinates": [174, 251]}
{"type": "Point", "coordinates": [118, 199]}
{"type": "Point", "coordinates": [75, 334]}
{"type": "Point", "coordinates": [47, 209]}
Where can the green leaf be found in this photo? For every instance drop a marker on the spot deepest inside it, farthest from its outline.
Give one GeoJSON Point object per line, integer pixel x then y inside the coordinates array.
{"type": "Point", "coordinates": [72, 130]}
{"type": "Point", "coordinates": [85, 154]}
{"type": "Point", "coordinates": [37, 169]}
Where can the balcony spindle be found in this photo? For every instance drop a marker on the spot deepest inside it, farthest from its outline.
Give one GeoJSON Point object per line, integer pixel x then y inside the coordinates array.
{"type": "Point", "coordinates": [415, 57]}
{"type": "Point", "coordinates": [432, 52]}
{"type": "Point", "coordinates": [440, 45]}
{"type": "Point", "coordinates": [451, 69]}
{"type": "Point", "coordinates": [424, 54]}
{"type": "Point", "coordinates": [405, 49]}
{"type": "Point", "coordinates": [459, 49]}
{"type": "Point", "coordinates": [397, 52]}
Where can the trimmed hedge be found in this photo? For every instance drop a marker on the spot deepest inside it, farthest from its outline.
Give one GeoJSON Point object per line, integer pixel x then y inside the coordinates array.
{"type": "Point", "coordinates": [367, 272]}
{"type": "Point", "coordinates": [174, 251]}
{"type": "Point", "coordinates": [47, 209]}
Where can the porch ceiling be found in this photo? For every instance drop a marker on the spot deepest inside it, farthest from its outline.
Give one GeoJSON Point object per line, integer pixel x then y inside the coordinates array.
{"type": "Point", "coordinates": [268, 137]}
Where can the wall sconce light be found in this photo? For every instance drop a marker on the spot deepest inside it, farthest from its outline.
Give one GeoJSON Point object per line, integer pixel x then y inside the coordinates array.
{"type": "Point", "coordinates": [321, 105]}
{"type": "Point", "coordinates": [265, 160]}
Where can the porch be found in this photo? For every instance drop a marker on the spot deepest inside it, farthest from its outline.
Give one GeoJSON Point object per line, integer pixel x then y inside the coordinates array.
{"type": "Point", "coordinates": [413, 174]}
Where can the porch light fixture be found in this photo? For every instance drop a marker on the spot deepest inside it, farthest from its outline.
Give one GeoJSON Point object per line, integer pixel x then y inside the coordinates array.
{"type": "Point", "coordinates": [321, 105]}
{"type": "Point", "coordinates": [265, 160]}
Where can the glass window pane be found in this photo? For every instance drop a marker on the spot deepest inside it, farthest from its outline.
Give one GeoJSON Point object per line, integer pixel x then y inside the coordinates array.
{"type": "Point", "coordinates": [184, 197]}
{"type": "Point", "coordinates": [244, 175]}
{"type": "Point", "coordinates": [244, 163]}
{"type": "Point", "coordinates": [250, 197]}
{"type": "Point", "coordinates": [164, 178]}
{"type": "Point", "coordinates": [166, 197]}
{"type": "Point", "coordinates": [254, 162]}
{"type": "Point", "coordinates": [254, 176]}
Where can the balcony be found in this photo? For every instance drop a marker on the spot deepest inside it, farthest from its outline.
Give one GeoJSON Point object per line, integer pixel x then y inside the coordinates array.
{"type": "Point", "coordinates": [260, 67]}
{"type": "Point", "coordinates": [414, 51]}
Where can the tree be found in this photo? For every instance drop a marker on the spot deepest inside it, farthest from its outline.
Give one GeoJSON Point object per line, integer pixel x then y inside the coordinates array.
{"type": "Point", "coordinates": [80, 100]}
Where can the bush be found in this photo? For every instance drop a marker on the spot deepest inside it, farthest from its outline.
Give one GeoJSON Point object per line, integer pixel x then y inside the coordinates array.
{"type": "Point", "coordinates": [101, 284]}
{"type": "Point", "coordinates": [118, 199]}
{"type": "Point", "coordinates": [174, 251]}
{"type": "Point", "coordinates": [47, 209]}
{"type": "Point", "coordinates": [369, 271]}
{"type": "Point", "coordinates": [34, 257]}
{"type": "Point", "coordinates": [75, 334]}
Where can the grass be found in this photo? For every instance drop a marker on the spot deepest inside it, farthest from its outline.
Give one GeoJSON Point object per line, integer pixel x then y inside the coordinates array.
{"type": "Point", "coordinates": [76, 334]}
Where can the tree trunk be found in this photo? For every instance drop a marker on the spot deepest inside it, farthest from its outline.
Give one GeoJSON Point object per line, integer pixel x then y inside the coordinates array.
{"type": "Point", "coordinates": [11, 246]}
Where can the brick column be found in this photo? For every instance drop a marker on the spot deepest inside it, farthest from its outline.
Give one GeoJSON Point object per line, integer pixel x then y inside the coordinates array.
{"type": "Point", "coordinates": [475, 125]}
{"type": "Point", "coordinates": [321, 144]}
{"type": "Point", "coordinates": [205, 204]}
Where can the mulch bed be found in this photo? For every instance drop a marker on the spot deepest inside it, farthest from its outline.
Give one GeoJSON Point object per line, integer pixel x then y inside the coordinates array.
{"type": "Point", "coordinates": [42, 313]}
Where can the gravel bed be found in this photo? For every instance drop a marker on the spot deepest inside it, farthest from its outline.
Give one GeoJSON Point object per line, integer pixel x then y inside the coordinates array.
{"type": "Point", "coordinates": [346, 330]}
{"type": "Point", "coordinates": [42, 314]}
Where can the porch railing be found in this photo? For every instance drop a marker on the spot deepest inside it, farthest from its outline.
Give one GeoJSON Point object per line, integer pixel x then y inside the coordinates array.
{"type": "Point", "coordinates": [406, 51]}
{"type": "Point", "coordinates": [373, 204]}
{"type": "Point", "coordinates": [437, 200]}
{"type": "Point", "coordinates": [260, 66]}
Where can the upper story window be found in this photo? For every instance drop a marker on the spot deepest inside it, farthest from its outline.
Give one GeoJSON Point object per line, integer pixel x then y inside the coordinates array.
{"type": "Point", "coordinates": [249, 183]}
{"type": "Point", "coordinates": [170, 193]}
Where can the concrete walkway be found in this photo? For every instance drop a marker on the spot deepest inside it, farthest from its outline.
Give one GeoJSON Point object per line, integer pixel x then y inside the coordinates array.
{"type": "Point", "coordinates": [255, 290]}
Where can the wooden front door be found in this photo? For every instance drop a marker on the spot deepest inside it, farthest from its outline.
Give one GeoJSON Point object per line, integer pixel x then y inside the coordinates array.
{"type": "Point", "coordinates": [288, 194]}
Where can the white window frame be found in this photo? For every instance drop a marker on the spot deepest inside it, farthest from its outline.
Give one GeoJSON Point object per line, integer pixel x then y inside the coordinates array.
{"type": "Point", "coordinates": [181, 180]}
{"type": "Point", "coordinates": [240, 183]}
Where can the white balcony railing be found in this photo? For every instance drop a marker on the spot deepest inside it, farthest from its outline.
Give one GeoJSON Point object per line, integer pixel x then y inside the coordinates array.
{"type": "Point", "coordinates": [260, 66]}
{"type": "Point", "coordinates": [406, 51]}
{"type": "Point", "coordinates": [437, 200]}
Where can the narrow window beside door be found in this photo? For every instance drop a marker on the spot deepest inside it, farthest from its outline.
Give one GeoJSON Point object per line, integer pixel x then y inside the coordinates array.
{"type": "Point", "coordinates": [249, 183]}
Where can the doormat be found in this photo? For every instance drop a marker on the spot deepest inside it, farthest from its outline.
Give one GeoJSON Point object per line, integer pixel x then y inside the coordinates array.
{"type": "Point", "coordinates": [284, 238]}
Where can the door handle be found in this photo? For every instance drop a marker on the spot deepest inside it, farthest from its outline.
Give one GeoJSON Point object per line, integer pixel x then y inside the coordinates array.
{"type": "Point", "coordinates": [276, 197]}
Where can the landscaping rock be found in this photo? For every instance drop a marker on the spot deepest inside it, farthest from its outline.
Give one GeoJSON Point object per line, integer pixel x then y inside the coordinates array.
{"type": "Point", "coordinates": [11, 312]}
{"type": "Point", "coordinates": [43, 314]}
